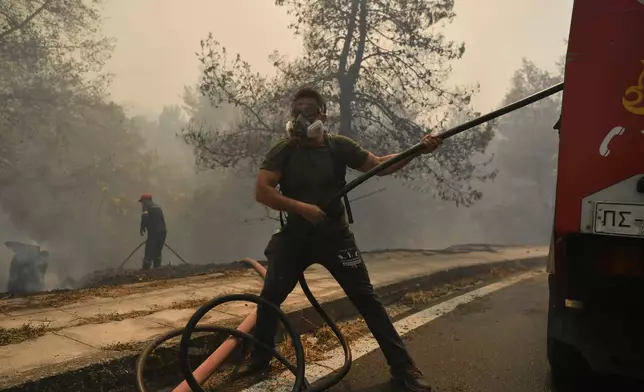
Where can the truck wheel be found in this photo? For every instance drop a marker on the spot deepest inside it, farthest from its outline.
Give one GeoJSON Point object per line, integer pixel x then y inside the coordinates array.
{"type": "Point", "coordinates": [566, 363]}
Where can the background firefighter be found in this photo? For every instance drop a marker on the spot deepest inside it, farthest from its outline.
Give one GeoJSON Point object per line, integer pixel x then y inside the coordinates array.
{"type": "Point", "coordinates": [152, 221]}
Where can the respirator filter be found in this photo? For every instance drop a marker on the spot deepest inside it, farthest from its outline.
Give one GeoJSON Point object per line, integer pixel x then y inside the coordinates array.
{"type": "Point", "coordinates": [301, 127]}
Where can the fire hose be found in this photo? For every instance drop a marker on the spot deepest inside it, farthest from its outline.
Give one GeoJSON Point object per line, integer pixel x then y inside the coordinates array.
{"type": "Point", "coordinates": [298, 369]}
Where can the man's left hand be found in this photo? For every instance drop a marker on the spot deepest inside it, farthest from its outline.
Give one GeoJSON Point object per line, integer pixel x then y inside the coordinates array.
{"type": "Point", "coordinates": [430, 143]}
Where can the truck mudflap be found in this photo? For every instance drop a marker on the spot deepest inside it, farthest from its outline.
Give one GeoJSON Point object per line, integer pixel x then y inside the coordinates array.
{"type": "Point", "coordinates": [609, 338]}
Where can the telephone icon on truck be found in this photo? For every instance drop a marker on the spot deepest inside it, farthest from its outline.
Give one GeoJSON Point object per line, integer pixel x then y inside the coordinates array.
{"type": "Point", "coordinates": [603, 148]}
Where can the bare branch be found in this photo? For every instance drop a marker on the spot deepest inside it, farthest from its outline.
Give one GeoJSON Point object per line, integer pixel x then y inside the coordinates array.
{"type": "Point", "coordinates": [367, 195]}
{"type": "Point", "coordinates": [24, 23]}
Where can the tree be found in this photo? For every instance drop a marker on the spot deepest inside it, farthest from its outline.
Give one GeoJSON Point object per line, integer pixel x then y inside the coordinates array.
{"type": "Point", "coordinates": [521, 206]}
{"type": "Point", "coordinates": [200, 110]}
{"type": "Point", "coordinates": [526, 148]}
{"type": "Point", "coordinates": [46, 50]}
{"type": "Point", "coordinates": [78, 196]}
{"type": "Point", "coordinates": [71, 162]}
{"type": "Point", "coordinates": [52, 40]}
{"type": "Point", "coordinates": [382, 65]}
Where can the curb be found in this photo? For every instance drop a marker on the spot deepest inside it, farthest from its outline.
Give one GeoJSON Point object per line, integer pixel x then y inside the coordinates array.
{"type": "Point", "coordinates": [118, 374]}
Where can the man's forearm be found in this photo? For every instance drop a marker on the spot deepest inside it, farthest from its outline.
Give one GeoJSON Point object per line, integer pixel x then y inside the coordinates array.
{"type": "Point", "coordinates": [144, 222]}
{"type": "Point", "coordinates": [272, 198]}
{"type": "Point", "coordinates": [395, 167]}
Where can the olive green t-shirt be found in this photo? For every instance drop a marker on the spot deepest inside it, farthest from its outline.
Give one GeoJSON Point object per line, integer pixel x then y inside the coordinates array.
{"type": "Point", "coordinates": [309, 175]}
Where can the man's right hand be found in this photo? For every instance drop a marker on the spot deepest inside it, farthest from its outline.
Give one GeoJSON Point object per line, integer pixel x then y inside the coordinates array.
{"type": "Point", "coordinates": [142, 231]}
{"type": "Point", "coordinates": [312, 213]}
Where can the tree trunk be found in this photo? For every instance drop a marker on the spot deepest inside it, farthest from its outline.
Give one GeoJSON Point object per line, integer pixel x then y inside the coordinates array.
{"type": "Point", "coordinates": [346, 97]}
{"type": "Point", "coordinates": [349, 76]}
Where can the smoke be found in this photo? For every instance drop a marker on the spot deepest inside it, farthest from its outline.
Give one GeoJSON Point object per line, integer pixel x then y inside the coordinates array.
{"type": "Point", "coordinates": [212, 215]}
{"type": "Point", "coordinates": [72, 167]}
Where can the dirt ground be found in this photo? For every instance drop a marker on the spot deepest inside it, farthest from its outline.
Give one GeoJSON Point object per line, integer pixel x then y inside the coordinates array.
{"type": "Point", "coordinates": [119, 282]}
{"type": "Point", "coordinates": [110, 284]}
{"type": "Point", "coordinates": [113, 277]}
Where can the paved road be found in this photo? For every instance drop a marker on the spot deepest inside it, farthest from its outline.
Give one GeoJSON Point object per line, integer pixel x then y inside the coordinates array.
{"type": "Point", "coordinates": [493, 344]}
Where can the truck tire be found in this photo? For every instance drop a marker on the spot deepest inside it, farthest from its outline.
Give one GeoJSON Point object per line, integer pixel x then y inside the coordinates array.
{"type": "Point", "coordinates": [566, 363]}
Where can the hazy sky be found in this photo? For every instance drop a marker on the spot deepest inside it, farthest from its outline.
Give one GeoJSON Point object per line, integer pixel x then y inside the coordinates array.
{"type": "Point", "coordinates": [157, 41]}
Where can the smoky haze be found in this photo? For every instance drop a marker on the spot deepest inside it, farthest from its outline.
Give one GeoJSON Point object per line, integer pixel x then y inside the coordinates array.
{"type": "Point", "coordinates": [72, 170]}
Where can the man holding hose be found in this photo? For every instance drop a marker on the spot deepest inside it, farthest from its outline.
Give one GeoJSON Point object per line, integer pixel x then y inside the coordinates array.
{"type": "Point", "coordinates": [304, 166]}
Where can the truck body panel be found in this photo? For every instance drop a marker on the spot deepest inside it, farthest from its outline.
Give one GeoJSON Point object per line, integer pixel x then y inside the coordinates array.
{"type": "Point", "coordinates": [596, 264]}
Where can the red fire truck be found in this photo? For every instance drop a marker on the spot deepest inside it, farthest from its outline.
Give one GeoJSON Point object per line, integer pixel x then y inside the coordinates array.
{"type": "Point", "coordinates": [596, 266]}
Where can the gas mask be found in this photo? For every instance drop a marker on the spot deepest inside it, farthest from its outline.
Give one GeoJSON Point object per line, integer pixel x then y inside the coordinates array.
{"type": "Point", "coordinates": [303, 128]}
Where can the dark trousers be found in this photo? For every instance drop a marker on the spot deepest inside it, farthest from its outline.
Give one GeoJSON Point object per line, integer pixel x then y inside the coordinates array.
{"type": "Point", "coordinates": [288, 257]}
{"type": "Point", "coordinates": [153, 249]}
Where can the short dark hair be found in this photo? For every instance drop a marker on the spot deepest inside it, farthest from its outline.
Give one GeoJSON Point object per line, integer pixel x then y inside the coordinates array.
{"type": "Point", "coordinates": [307, 92]}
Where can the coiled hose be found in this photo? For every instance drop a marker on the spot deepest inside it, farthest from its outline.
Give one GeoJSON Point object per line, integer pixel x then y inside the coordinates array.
{"type": "Point", "coordinates": [192, 327]}
{"type": "Point", "coordinates": [299, 368]}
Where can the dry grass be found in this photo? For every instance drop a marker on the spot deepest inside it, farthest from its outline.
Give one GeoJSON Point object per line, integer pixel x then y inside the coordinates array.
{"type": "Point", "coordinates": [316, 346]}
{"type": "Point", "coordinates": [133, 346]}
{"type": "Point", "coordinates": [421, 298]}
{"type": "Point", "coordinates": [506, 271]}
{"type": "Point", "coordinates": [194, 302]}
{"type": "Point", "coordinates": [21, 334]}
{"type": "Point", "coordinates": [189, 303]}
{"type": "Point", "coordinates": [115, 316]}
{"type": "Point", "coordinates": [319, 342]}
{"type": "Point", "coordinates": [57, 299]}
{"type": "Point", "coordinates": [29, 331]}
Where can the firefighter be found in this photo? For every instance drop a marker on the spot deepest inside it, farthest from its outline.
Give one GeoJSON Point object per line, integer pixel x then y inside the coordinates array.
{"type": "Point", "coordinates": [303, 167]}
{"type": "Point", "coordinates": [152, 221]}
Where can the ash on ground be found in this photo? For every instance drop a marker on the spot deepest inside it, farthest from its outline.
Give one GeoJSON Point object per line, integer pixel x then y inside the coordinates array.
{"type": "Point", "coordinates": [113, 277]}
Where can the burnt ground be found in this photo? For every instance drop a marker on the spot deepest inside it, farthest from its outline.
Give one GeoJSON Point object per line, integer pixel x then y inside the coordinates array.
{"type": "Point", "coordinates": [117, 277]}
{"type": "Point", "coordinates": [115, 282]}
{"type": "Point", "coordinates": [119, 374]}
{"type": "Point", "coordinates": [112, 277]}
